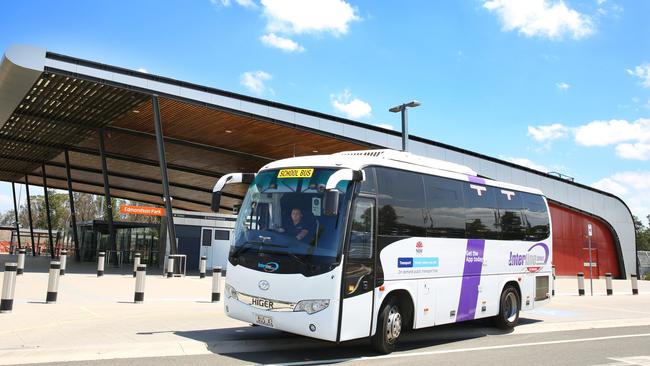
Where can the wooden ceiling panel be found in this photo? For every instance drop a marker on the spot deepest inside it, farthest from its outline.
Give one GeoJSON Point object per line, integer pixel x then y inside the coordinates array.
{"type": "Point", "coordinates": [209, 126]}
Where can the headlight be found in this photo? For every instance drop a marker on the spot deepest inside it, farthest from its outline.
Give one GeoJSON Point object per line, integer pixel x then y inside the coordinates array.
{"type": "Point", "coordinates": [230, 292]}
{"type": "Point", "coordinates": [311, 306]}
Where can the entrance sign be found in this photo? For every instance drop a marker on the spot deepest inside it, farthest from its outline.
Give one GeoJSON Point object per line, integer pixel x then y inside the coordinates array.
{"type": "Point", "coordinates": [142, 210]}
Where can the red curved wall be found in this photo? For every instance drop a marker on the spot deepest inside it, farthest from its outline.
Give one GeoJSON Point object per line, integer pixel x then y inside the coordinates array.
{"type": "Point", "coordinates": [570, 244]}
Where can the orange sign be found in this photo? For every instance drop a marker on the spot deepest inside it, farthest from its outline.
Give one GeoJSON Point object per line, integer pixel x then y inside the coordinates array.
{"type": "Point", "coordinates": [141, 210]}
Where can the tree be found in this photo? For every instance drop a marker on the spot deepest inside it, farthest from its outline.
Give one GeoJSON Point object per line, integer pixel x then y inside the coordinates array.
{"type": "Point", "coordinates": [7, 219]}
{"type": "Point", "coordinates": [642, 234]}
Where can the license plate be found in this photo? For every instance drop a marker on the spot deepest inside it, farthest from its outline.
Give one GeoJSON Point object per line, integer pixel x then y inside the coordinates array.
{"type": "Point", "coordinates": [266, 321]}
{"type": "Point", "coordinates": [296, 173]}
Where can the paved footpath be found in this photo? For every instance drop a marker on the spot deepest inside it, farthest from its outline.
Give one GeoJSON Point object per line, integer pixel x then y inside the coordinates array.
{"type": "Point", "coordinates": [95, 318]}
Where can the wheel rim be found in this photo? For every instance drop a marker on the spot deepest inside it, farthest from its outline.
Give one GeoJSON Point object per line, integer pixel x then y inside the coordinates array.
{"type": "Point", "coordinates": [511, 307]}
{"type": "Point", "coordinates": [393, 324]}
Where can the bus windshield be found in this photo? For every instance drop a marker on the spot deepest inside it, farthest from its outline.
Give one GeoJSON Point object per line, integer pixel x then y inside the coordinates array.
{"type": "Point", "coordinates": [281, 227]}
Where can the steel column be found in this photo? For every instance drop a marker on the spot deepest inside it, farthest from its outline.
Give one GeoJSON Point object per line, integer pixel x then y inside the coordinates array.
{"type": "Point", "coordinates": [13, 190]}
{"type": "Point", "coordinates": [405, 129]}
{"type": "Point", "coordinates": [29, 215]}
{"type": "Point", "coordinates": [47, 211]}
{"type": "Point", "coordinates": [107, 192]}
{"type": "Point", "coordinates": [73, 215]}
{"type": "Point", "coordinates": [171, 230]}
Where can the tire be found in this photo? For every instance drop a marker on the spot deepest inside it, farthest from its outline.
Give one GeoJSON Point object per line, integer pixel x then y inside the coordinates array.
{"type": "Point", "coordinates": [509, 307]}
{"type": "Point", "coordinates": [389, 328]}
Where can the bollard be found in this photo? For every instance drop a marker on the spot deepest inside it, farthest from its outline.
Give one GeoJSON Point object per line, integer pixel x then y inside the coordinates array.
{"type": "Point", "coordinates": [553, 290]}
{"type": "Point", "coordinates": [202, 266]}
{"type": "Point", "coordinates": [53, 283]}
{"type": "Point", "coordinates": [141, 275]}
{"type": "Point", "coordinates": [170, 266]}
{"type": "Point", "coordinates": [8, 288]}
{"type": "Point", "coordinates": [21, 261]}
{"type": "Point", "coordinates": [136, 263]}
{"type": "Point", "coordinates": [216, 284]}
{"type": "Point", "coordinates": [581, 284]}
{"type": "Point", "coordinates": [100, 264]}
{"type": "Point", "coordinates": [635, 285]}
{"type": "Point", "coordinates": [608, 280]}
{"type": "Point", "coordinates": [63, 258]}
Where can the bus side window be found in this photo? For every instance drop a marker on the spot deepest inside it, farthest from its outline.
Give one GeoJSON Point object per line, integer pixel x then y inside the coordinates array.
{"type": "Point", "coordinates": [536, 217]}
{"type": "Point", "coordinates": [401, 203]}
{"type": "Point", "coordinates": [510, 215]}
{"type": "Point", "coordinates": [481, 214]}
{"type": "Point", "coordinates": [446, 211]}
{"type": "Point", "coordinates": [369, 185]}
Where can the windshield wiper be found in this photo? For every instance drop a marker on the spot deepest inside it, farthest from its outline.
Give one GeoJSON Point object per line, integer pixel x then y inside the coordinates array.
{"type": "Point", "coordinates": [262, 243]}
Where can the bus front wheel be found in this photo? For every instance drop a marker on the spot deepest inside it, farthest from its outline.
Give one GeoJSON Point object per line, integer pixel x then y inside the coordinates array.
{"type": "Point", "coordinates": [508, 309]}
{"type": "Point", "coordinates": [389, 327]}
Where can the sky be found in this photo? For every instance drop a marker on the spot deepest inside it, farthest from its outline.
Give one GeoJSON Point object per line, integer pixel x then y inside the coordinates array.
{"type": "Point", "coordinates": [558, 86]}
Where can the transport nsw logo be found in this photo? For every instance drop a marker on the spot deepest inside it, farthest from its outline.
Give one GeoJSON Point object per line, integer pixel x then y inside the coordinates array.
{"type": "Point", "coordinates": [534, 259]}
{"type": "Point", "coordinates": [410, 262]}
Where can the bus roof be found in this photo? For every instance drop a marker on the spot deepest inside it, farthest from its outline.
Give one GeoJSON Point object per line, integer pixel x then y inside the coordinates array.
{"type": "Point", "coordinates": [394, 159]}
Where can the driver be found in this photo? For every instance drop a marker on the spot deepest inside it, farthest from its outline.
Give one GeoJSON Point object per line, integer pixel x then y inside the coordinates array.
{"type": "Point", "coordinates": [296, 227]}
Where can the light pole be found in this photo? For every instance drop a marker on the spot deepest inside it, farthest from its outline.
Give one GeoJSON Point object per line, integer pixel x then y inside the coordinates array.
{"type": "Point", "coordinates": [402, 108]}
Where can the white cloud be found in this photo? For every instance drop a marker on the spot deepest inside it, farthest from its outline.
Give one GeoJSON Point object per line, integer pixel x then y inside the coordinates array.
{"type": "Point", "coordinates": [548, 133]}
{"type": "Point", "coordinates": [226, 3]}
{"type": "Point", "coordinates": [562, 85]}
{"type": "Point", "coordinates": [551, 19]}
{"type": "Point", "coordinates": [642, 72]}
{"type": "Point", "coordinates": [352, 107]}
{"type": "Point", "coordinates": [142, 69]}
{"type": "Point", "coordinates": [611, 186]}
{"type": "Point", "coordinates": [603, 133]}
{"type": "Point", "coordinates": [247, 3]}
{"type": "Point", "coordinates": [633, 187]}
{"type": "Point", "coordinates": [315, 16]}
{"type": "Point", "coordinates": [386, 126]}
{"type": "Point", "coordinates": [529, 164]}
{"type": "Point", "coordinates": [637, 151]}
{"type": "Point", "coordinates": [285, 44]}
{"type": "Point", "coordinates": [254, 81]}
{"type": "Point", "coordinates": [632, 139]}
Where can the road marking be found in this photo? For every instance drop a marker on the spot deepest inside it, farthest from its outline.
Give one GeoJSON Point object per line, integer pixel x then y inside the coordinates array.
{"type": "Point", "coordinates": [458, 350]}
{"type": "Point", "coordinates": [628, 361]}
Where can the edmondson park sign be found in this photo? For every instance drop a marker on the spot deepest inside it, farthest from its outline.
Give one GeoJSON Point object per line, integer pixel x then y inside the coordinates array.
{"type": "Point", "coordinates": [142, 210]}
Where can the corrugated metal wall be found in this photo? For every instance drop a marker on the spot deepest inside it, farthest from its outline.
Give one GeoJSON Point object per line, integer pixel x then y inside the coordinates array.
{"type": "Point", "coordinates": [570, 245]}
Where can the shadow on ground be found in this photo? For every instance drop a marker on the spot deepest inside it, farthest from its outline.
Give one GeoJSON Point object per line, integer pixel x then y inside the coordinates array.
{"type": "Point", "coordinates": [264, 345]}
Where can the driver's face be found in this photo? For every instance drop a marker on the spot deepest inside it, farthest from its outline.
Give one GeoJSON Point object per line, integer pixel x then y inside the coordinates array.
{"type": "Point", "coordinates": [296, 215]}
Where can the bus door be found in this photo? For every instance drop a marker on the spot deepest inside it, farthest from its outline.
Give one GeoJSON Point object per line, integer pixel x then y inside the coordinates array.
{"type": "Point", "coordinates": [359, 273]}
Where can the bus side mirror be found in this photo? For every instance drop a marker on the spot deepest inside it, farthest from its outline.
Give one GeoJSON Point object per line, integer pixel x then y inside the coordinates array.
{"type": "Point", "coordinates": [331, 202]}
{"type": "Point", "coordinates": [216, 201]}
{"type": "Point", "coordinates": [232, 178]}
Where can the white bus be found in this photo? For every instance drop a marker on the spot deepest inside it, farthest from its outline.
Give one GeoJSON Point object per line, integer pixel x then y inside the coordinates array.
{"type": "Point", "coordinates": [366, 244]}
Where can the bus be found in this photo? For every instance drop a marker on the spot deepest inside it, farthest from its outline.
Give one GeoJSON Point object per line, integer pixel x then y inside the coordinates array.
{"type": "Point", "coordinates": [368, 244]}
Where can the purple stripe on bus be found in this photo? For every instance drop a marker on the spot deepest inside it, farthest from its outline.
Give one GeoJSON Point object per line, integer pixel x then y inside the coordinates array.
{"type": "Point", "coordinates": [476, 180]}
{"type": "Point", "coordinates": [471, 279]}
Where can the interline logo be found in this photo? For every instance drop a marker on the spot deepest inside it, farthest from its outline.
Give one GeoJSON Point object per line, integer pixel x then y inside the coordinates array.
{"type": "Point", "coordinates": [534, 260]}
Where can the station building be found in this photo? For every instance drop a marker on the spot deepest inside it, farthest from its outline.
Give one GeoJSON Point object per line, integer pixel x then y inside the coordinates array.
{"type": "Point", "coordinates": [79, 125]}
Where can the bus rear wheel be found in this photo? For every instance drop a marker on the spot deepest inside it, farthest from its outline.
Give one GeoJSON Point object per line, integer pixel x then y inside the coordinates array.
{"type": "Point", "coordinates": [389, 328]}
{"type": "Point", "coordinates": [509, 307]}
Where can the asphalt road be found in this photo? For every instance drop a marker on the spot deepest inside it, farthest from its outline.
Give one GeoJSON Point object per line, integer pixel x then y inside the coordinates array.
{"type": "Point", "coordinates": [471, 343]}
